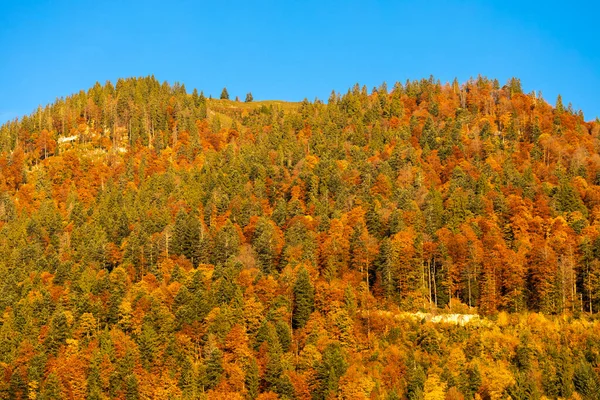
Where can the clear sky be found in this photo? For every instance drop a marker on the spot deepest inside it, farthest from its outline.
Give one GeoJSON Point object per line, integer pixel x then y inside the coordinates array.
{"type": "Point", "coordinates": [292, 50]}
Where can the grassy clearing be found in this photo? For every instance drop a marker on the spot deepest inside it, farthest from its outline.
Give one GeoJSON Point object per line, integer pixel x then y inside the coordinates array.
{"type": "Point", "coordinates": [286, 106]}
{"type": "Point", "coordinates": [225, 110]}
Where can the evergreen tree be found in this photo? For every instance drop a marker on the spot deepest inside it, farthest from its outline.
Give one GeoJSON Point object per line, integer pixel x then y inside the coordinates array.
{"type": "Point", "coordinates": [273, 368]}
{"type": "Point", "coordinates": [252, 379]}
{"type": "Point", "coordinates": [51, 388]}
{"type": "Point", "coordinates": [249, 97]}
{"type": "Point", "coordinates": [560, 108]}
{"type": "Point", "coordinates": [186, 236]}
{"type": "Point", "coordinates": [304, 299]}
{"type": "Point", "coordinates": [148, 343]}
{"type": "Point", "coordinates": [264, 243]}
{"type": "Point", "coordinates": [284, 334]}
{"type": "Point", "coordinates": [224, 94]}
{"type": "Point", "coordinates": [332, 367]}
{"type": "Point", "coordinates": [131, 388]}
{"type": "Point", "coordinates": [568, 199]}
{"type": "Point", "coordinates": [226, 243]}
{"type": "Point", "coordinates": [59, 331]}
{"type": "Point", "coordinates": [586, 381]}
{"type": "Point", "coordinates": [214, 368]}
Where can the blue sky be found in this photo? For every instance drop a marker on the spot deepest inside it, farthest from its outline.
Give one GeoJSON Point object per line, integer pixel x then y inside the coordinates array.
{"type": "Point", "coordinates": [292, 50]}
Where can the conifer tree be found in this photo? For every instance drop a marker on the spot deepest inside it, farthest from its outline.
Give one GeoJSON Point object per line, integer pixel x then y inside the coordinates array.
{"type": "Point", "coordinates": [186, 236]}
{"type": "Point", "coordinates": [224, 94]}
{"type": "Point", "coordinates": [273, 368]}
{"type": "Point", "coordinates": [132, 391]}
{"type": "Point", "coordinates": [304, 299]}
{"type": "Point", "coordinates": [51, 388]}
{"type": "Point", "coordinates": [332, 367]}
{"type": "Point", "coordinates": [252, 379]}
{"type": "Point", "coordinates": [560, 108]}
{"type": "Point", "coordinates": [214, 368]}
{"type": "Point", "coordinates": [264, 243]}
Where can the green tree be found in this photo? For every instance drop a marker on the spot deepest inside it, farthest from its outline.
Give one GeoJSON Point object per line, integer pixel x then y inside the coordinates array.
{"type": "Point", "coordinates": [226, 243]}
{"type": "Point", "coordinates": [252, 379]}
{"type": "Point", "coordinates": [186, 236]}
{"type": "Point", "coordinates": [148, 345]}
{"type": "Point", "coordinates": [273, 368]}
{"type": "Point", "coordinates": [560, 108]}
{"type": "Point", "coordinates": [586, 381]}
{"type": "Point", "coordinates": [265, 243]}
{"type": "Point", "coordinates": [224, 94]}
{"type": "Point", "coordinates": [249, 97]}
{"type": "Point", "coordinates": [567, 198]}
{"type": "Point", "coordinates": [214, 368]}
{"type": "Point", "coordinates": [304, 299]}
{"type": "Point", "coordinates": [51, 388]}
{"type": "Point", "coordinates": [131, 388]}
{"type": "Point", "coordinates": [332, 366]}
{"type": "Point", "coordinates": [59, 331]}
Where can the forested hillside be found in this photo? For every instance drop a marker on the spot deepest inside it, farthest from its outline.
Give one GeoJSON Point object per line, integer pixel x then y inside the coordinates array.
{"type": "Point", "coordinates": [160, 244]}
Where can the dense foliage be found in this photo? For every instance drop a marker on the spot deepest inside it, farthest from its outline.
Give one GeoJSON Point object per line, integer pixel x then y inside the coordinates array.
{"type": "Point", "coordinates": [159, 244]}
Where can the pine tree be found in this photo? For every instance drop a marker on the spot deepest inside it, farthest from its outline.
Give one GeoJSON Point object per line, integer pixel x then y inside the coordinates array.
{"type": "Point", "coordinates": [59, 331]}
{"type": "Point", "coordinates": [51, 388]}
{"type": "Point", "coordinates": [224, 94]}
{"type": "Point", "coordinates": [186, 236]}
{"type": "Point", "coordinates": [131, 388]}
{"type": "Point", "coordinates": [586, 381]}
{"type": "Point", "coordinates": [332, 367]}
{"type": "Point", "coordinates": [284, 334]}
{"type": "Point", "coordinates": [249, 97]}
{"type": "Point", "coordinates": [252, 379]}
{"type": "Point", "coordinates": [148, 343]}
{"type": "Point", "coordinates": [226, 243]}
{"type": "Point", "coordinates": [214, 369]}
{"type": "Point", "coordinates": [264, 243]}
{"type": "Point", "coordinates": [429, 135]}
{"type": "Point", "coordinates": [273, 368]}
{"type": "Point", "coordinates": [560, 108]}
{"type": "Point", "coordinates": [304, 299]}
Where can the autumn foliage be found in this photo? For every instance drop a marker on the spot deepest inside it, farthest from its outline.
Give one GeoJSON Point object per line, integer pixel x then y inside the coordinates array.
{"type": "Point", "coordinates": [158, 244]}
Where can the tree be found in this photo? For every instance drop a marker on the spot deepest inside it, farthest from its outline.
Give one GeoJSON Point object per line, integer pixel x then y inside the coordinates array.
{"type": "Point", "coordinates": [224, 94]}
{"type": "Point", "coordinates": [252, 379]}
{"type": "Point", "coordinates": [45, 144]}
{"type": "Point", "coordinates": [59, 331]}
{"type": "Point", "coordinates": [249, 97]}
{"type": "Point", "coordinates": [273, 367]}
{"type": "Point", "coordinates": [186, 236]}
{"type": "Point", "coordinates": [214, 368]}
{"type": "Point", "coordinates": [560, 108]}
{"type": "Point", "coordinates": [329, 371]}
{"type": "Point", "coordinates": [51, 389]}
{"type": "Point", "coordinates": [226, 243]}
{"type": "Point", "coordinates": [586, 381]}
{"type": "Point", "coordinates": [267, 243]}
{"type": "Point", "coordinates": [131, 392]}
{"type": "Point", "coordinates": [434, 389]}
{"type": "Point", "coordinates": [304, 299]}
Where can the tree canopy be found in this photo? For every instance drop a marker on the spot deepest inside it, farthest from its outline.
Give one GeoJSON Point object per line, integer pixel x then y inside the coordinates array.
{"type": "Point", "coordinates": [425, 240]}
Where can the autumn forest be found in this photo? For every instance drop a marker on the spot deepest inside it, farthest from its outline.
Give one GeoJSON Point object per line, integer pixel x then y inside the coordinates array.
{"type": "Point", "coordinates": [423, 241]}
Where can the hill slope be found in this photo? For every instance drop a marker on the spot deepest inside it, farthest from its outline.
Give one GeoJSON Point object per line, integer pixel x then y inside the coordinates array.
{"type": "Point", "coordinates": [157, 243]}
